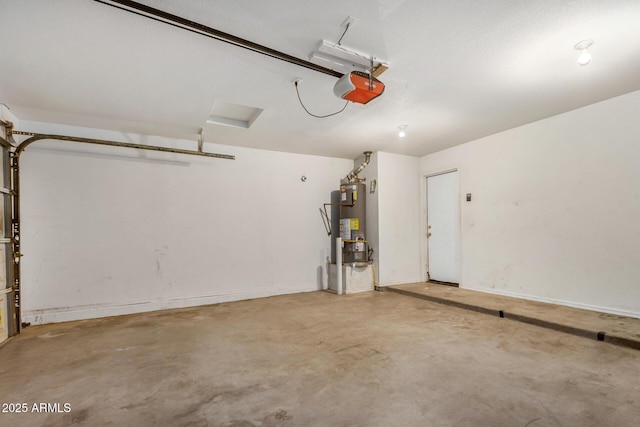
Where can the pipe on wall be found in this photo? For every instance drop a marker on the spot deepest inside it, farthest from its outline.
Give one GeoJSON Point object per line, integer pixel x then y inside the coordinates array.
{"type": "Point", "coordinates": [339, 265]}
{"type": "Point", "coordinates": [353, 175]}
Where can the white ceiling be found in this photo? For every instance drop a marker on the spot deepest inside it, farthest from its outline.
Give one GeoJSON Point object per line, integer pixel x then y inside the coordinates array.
{"type": "Point", "coordinates": [459, 69]}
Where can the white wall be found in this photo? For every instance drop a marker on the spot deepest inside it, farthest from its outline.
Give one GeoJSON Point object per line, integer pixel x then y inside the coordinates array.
{"type": "Point", "coordinates": [398, 218]}
{"type": "Point", "coordinates": [555, 214]}
{"type": "Point", "coordinates": [393, 216]}
{"type": "Point", "coordinates": [110, 231]}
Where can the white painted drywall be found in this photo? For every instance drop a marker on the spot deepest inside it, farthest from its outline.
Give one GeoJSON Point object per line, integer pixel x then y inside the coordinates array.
{"type": "Point", "coordinates": [393, 216]}
{"type": "Point", "coordinates": [109, 231]}
{"type": "Point", "coordinates": [398, 219]}
{"type": "Point", "coordinates": [555, 210]}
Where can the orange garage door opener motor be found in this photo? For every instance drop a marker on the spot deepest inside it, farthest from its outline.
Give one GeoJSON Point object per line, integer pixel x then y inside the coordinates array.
{"type": "Point", "coordinates": [359, 87]}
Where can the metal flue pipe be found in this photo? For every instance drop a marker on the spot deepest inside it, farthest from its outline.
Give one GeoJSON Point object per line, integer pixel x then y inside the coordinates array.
{"type": "Point", "coordinates": [354, 173]}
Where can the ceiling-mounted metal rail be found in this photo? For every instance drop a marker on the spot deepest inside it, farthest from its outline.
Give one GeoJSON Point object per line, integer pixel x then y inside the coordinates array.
{"type": "Point", "coordinates": [39, 137]}
{"type": "Point", "coordinates": [186, 24]}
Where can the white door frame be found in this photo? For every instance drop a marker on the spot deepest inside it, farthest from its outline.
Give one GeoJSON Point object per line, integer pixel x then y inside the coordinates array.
{"type": "Point", "coordinates": [424, 246]}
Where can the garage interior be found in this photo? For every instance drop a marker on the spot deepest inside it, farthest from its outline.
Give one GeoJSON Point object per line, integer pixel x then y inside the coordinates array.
{"type": "Point", "coordinates": [355, 213]}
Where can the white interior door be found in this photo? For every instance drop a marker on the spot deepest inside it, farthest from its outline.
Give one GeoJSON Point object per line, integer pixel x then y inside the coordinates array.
{"type": "Point", "coordinates": [443, 227]}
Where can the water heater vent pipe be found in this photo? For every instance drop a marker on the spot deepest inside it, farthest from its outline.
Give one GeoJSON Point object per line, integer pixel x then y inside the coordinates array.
{"type": "Point", "coordinates": [339, 265]}
{"type": "Point", "coordinates": [353, 175]}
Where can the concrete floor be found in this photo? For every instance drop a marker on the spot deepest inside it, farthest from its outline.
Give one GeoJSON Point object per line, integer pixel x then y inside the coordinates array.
{"type": "Point", "coordinates": [618, 330]}
{"type": "Point", "coordinates": [318, 359]}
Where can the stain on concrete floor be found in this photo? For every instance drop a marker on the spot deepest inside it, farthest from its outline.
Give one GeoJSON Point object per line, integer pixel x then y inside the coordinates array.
{"type": "Point", "coordinates": [317, 359]}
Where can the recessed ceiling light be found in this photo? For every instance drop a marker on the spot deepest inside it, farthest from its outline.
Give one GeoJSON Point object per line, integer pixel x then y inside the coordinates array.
{"type": "Point", "coordinates": [585, 56]}
{"type": "Point", "coordinates": [402, 133]}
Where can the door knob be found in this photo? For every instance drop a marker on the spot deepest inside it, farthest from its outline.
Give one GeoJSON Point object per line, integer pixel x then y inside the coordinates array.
{"type": "Point", "coordinates": [428, 234]}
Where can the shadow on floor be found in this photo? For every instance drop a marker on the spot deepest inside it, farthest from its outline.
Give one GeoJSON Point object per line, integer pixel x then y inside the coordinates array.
{"type": "Point", "coordinates": [618, 330]}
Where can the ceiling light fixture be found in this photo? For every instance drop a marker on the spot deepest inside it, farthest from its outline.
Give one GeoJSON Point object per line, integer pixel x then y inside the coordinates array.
{"type": "Point", "coordinates": [585, 56]}
{"type": "Point", "coordinates": [402, 133]}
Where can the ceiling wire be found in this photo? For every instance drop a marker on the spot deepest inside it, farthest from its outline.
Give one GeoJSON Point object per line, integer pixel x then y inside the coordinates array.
{"type": "Point", "coordinates": [345, 32]}
{"type": "Point", "coordinates": [338, 45]}
{"type": "Point", "coordinates": [315, 115]}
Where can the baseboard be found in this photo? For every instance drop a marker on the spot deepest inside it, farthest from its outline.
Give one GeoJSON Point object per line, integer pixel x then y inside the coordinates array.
{"type": "Point", "coordinates": [573, 304]}
{"type": "Point", "coordinates": [56, 315]}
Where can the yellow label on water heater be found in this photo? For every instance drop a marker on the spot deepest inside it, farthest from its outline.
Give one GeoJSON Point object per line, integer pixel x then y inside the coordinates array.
{"type": "Point", "coordinates": [355, 225]}
{"type": "Point", "coordinates": [355, 196]}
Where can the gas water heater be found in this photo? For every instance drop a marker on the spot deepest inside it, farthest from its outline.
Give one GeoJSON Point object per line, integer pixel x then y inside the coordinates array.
{"type": "Point", "coordinates": [353, 271]}
{"type": "Point", "coordinates": [348, 214]}
{"type": "Point", "coordinates": [353, 223]}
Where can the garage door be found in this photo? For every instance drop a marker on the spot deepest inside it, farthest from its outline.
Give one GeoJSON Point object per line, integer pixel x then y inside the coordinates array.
{"type": "Point", "coordinates": [7, 298]}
